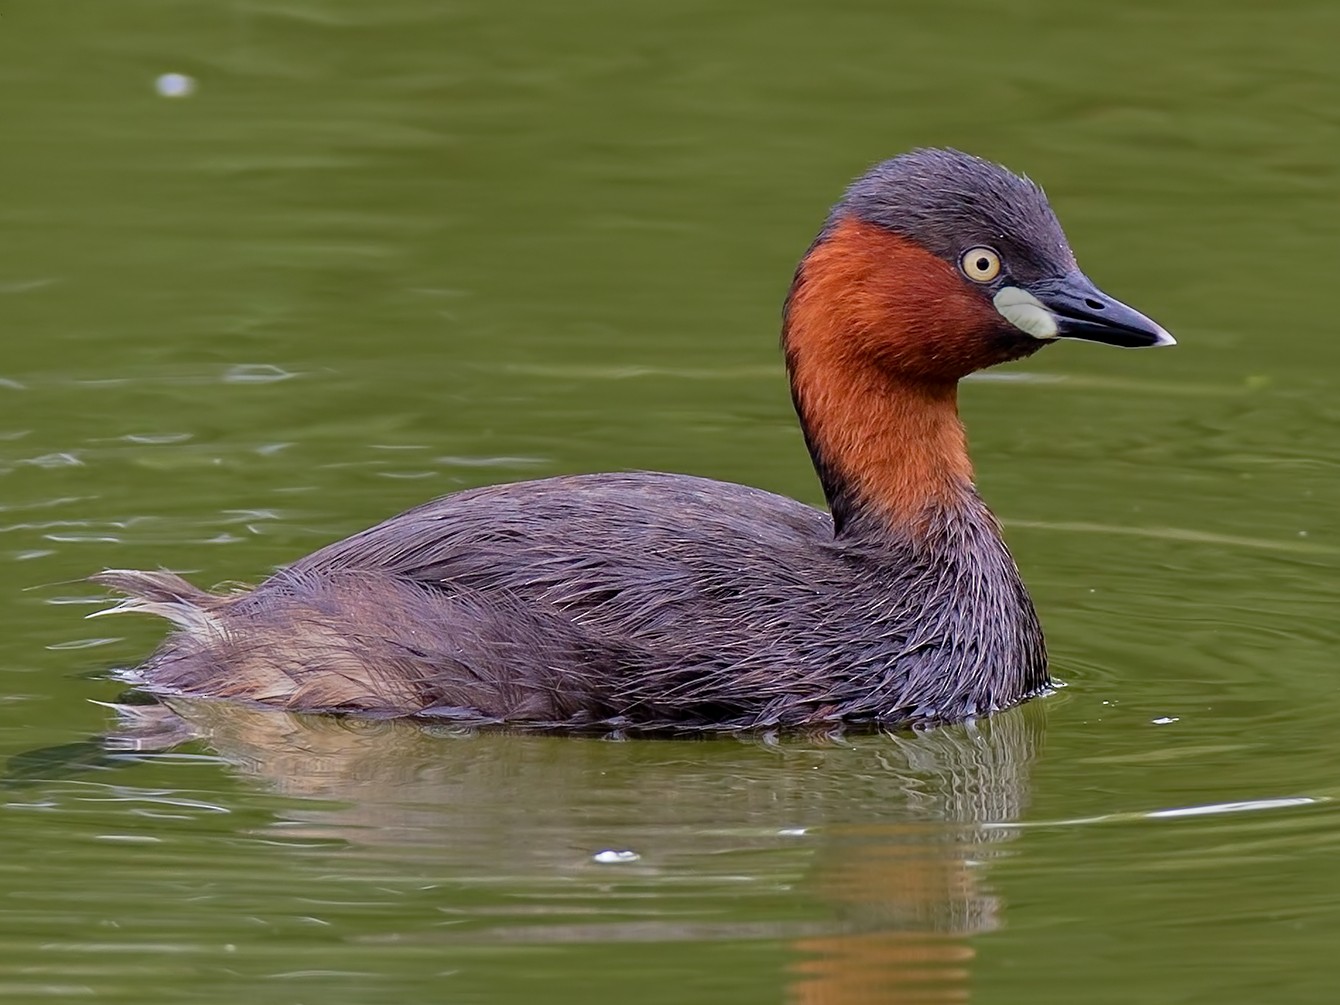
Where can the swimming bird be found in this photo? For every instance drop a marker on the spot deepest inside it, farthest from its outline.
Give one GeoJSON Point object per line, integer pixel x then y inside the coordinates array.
{"type": "Point", "coordinates": [671, 602]}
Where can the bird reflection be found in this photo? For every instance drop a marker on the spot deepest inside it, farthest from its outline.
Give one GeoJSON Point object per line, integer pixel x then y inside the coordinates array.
{"type": "Point", "coordinates": [891, 836]}
{"type": "Point", "coordinates": [909, 893]}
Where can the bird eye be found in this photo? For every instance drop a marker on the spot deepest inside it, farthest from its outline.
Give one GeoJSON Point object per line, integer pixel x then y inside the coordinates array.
{"type": "Point", "coordinates": [981, 265]}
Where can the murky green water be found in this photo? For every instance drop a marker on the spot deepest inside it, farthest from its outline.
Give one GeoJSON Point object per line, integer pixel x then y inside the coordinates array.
{"type": "Point", "coordinates": [389, 250]}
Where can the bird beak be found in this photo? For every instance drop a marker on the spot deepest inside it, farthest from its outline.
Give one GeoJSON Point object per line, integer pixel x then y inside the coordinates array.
{"type": "Point", "coordinates": [1070, 306]}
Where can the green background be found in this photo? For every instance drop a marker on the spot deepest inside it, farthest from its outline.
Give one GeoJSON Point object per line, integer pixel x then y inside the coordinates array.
{"type": "Point", "coordinates": [387, 250]}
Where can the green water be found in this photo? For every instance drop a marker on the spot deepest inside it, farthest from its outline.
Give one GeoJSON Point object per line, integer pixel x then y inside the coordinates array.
{"type": "Point", "coordinates": [388, 250]}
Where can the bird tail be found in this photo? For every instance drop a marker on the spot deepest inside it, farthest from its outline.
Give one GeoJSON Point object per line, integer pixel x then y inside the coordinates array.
{"type": "Point", "coordinates": [166, 595]}
{"type": "Point", "coordinates": [350, 641]}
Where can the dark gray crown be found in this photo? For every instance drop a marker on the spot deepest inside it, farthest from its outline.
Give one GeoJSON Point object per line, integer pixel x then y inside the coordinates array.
{"type": "Point", "coordinates": [948, 201]}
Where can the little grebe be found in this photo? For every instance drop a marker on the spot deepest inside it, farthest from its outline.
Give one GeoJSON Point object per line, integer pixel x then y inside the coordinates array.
{"type": "Point", "coordinates": [673, 602]}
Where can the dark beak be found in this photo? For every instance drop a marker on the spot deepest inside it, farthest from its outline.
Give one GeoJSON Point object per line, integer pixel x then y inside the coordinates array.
{"type": "Point", "coordinates": [1083, 311]}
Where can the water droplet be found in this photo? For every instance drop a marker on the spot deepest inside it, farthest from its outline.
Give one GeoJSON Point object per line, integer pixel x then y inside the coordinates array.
{"type": "Point", "coordinates": [175, 85]}
{"type": "Point", "coordinates": [609, 856]}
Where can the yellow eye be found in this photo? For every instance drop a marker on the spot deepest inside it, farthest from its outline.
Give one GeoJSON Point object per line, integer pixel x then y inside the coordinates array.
{"type": "Point", "coordinates": [981, 265]}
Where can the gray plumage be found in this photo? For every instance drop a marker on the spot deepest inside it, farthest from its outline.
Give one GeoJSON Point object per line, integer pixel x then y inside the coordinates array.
{"type": "Point", "coordinates": [651, 600]}
{"type": "Point", "coordinates": [619, 600]}
{"type": "Point", "coordinates": [948, 201]}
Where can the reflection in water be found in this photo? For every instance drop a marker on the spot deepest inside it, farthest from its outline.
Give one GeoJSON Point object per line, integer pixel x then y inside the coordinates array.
{"type": "Point", "coordinates": [896, 828]}
{"type": "Point", "coordinates": [908, 894]}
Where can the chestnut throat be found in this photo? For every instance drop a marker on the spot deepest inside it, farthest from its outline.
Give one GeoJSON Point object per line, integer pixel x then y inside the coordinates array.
{"type": "Point", "coordinates": [890, 453]}
{"type": "Point", "coordinates": [874, 377]}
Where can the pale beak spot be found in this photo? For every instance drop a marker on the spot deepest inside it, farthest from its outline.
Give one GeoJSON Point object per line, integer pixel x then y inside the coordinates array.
{"type": "Point", "coordinates": [1026, 312]}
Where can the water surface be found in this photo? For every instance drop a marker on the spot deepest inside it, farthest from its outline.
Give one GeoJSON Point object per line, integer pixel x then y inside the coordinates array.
{"type": "Point", "coordinates": [386, 251]}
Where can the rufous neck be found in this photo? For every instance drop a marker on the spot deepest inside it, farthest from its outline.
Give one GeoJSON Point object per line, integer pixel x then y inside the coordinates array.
{"type": "Point", "coordinates": [889, 452]}
{"type": "Point", "coordinates": [874, 346]}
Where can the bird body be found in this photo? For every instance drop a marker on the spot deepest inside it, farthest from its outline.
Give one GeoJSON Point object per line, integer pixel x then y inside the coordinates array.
{"type": "Point", "coordinates": [663, 601]}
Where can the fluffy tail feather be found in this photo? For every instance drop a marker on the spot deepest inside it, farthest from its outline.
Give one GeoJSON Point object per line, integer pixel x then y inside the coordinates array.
{"type": "Point", "coordinates": [164, 594]}
{"type": "Point", "coordinates": [361, 640]}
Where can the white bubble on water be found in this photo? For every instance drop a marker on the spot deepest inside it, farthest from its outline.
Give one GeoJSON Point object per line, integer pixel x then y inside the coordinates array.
{"type": "Point", "coordinates": [609, 856]}
{"type": "Point", "coordinates": [175, 85]}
